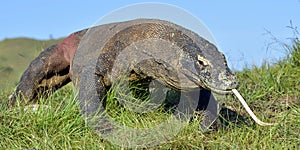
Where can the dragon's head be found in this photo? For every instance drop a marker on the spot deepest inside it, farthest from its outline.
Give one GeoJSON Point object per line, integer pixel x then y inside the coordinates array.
{"type": "Point", "coordinates": [207, 67]}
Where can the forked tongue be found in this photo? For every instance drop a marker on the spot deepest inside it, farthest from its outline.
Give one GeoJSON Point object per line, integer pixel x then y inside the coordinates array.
{"type": "Point", "coordinates": [249, 111]}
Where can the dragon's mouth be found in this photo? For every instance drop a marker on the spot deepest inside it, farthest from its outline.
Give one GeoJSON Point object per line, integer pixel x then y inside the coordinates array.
{"type": "Point", "coordinates": [207, 86]}
{"type": "Point", "coordinates": [217, 90]}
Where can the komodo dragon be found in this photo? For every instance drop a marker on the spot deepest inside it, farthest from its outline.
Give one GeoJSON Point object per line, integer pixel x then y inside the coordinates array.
{"type": "Point", "coordinates": [192, 61]}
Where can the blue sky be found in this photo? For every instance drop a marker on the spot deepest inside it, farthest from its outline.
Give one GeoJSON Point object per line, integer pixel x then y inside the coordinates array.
{"type": "Point", "coordinates": [238, 27]}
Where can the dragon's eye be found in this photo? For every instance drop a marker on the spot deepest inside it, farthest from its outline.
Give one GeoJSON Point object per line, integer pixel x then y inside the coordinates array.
{"type": "Point", "coordinates": [202, 61]}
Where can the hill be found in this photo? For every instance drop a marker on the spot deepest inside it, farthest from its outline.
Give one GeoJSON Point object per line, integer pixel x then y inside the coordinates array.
{"type": "Point", "coordinates": [15, 56]}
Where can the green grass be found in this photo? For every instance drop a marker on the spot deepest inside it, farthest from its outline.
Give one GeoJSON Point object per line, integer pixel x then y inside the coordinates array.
{"type": "Point", "coordinates": [272, 91]}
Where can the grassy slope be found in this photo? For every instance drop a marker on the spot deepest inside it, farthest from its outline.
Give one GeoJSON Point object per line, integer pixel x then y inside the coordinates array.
{"type": "Point", "coordinates": [15, 56]}
{"type": "Point", "coordinates": [273, 93]}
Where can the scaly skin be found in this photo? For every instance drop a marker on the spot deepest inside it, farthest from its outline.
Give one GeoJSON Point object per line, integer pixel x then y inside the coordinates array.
{"type": "Point", "coordinates": [196, 59]}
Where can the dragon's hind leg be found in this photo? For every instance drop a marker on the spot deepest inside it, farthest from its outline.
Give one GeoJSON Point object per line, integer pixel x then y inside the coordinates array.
{"type": "Point", "coordinates": [48, 72]}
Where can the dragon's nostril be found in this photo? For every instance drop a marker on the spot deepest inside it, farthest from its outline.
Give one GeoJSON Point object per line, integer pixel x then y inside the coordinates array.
{"type": "Point", "coordinates": [207, 73]}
